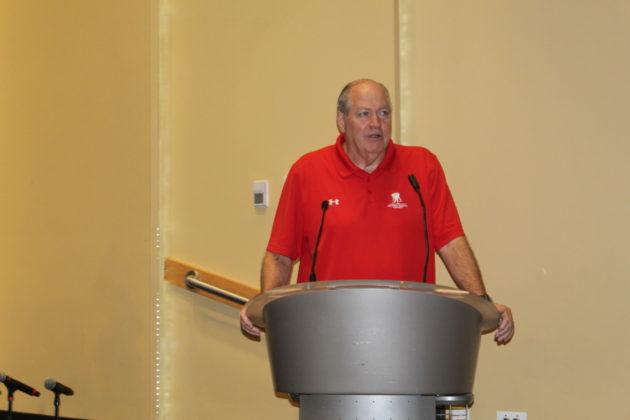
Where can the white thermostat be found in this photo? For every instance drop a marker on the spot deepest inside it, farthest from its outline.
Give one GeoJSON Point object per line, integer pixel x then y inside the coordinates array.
{"type": "Point", "coordinates": [261, 194]}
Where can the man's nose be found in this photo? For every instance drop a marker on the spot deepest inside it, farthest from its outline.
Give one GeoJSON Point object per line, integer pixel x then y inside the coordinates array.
{"type": "Point", "coordinates": [374, 120]}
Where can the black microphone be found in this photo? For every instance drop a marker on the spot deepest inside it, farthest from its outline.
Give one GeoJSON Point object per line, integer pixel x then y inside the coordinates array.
{"type": "Point", "coordinates": [319, 235]}
{"type": "Point", "coordinates": [416, 186]}
{"type": "Point", "coordinates": [14, 384]}
{"type": "Point", "coordinates": [57, 387]}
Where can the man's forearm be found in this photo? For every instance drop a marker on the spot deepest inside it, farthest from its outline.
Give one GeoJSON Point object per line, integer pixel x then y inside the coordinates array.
{"type": "Point", "coordinates": [275, 271]}
{"type": "Point", "coordinates": [462, 265]}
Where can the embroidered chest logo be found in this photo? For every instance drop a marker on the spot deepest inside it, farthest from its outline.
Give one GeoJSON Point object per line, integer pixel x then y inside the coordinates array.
{"type": "Point", "coordinates": [397, 202]}
{"type": "Point", "coordinates": [333, 202]}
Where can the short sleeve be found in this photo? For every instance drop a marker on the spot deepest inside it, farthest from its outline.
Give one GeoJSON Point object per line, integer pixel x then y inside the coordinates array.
{"type": "Point", "coordinates": [287, 226]}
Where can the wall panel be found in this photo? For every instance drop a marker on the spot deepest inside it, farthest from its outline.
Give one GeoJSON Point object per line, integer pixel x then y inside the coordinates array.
{"type": "Point", "coordinates": [77, 184]}
{"type": "Point", "coordinates": [251, 86]}
{"type": "Point", "coordinates": [526, 103]}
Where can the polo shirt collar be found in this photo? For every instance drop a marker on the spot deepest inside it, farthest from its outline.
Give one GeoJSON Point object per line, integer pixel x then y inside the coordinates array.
{"type": "Point", "coordinates": [346, 167]}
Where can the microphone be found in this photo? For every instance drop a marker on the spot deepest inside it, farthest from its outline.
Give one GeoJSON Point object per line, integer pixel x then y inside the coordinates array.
{"type": "Point", "coordinates": [416, 186]}
{"type": "Point", "coordinates": [57, 387]}
{"type": "Point", "coordinates": [312, 277]}
{"type": "Point", "coordinates": [14, 384]}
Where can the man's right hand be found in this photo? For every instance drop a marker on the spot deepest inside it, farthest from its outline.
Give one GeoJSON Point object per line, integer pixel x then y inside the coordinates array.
{"type": "Point", "coordinates": [247, 326]}
{"type": "Point", "coordinates": [275, 272]}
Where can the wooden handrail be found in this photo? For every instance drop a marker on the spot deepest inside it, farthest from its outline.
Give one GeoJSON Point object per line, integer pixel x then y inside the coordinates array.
{"type": "Point", "coordinates": [175, 272]}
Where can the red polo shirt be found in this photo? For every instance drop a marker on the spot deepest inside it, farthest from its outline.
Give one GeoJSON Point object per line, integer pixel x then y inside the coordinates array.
{"type": "Point", "coordinates": [373, 227]}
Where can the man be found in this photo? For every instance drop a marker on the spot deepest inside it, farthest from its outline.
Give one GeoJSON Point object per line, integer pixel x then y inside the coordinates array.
{"type": "Point", "coordinates": [374, 227]}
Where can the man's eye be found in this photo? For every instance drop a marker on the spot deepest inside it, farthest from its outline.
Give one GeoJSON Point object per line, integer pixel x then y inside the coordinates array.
{"type": "Point", "coordinates": [363, 114]}
{"type": "Point", "coordinates": [384, 113]}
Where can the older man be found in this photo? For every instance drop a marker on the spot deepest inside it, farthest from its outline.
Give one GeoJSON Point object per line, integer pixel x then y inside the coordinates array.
{"type": "Point", "coordinates": [374, 225]}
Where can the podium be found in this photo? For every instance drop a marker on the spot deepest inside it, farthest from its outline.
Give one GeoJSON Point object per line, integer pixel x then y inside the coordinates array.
{"type": "Point", "coordinates": [373, 349]}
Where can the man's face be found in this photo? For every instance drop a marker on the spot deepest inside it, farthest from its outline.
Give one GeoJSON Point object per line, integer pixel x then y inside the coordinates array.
{"type": "Point", "coordinates": [367, 125]}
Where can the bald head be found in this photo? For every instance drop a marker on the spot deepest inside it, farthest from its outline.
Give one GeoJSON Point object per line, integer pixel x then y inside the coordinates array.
{"type": "Point", "coordinates": [343, 102]}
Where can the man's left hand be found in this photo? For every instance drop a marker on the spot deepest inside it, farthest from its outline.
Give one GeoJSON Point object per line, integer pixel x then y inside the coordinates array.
{"type": "Point", "coordinates": [505, 331]}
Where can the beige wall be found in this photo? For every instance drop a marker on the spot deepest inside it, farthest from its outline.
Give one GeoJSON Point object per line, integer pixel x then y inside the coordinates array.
{"type": "Point", "coordinates": [527, 105]}
{"type": "Point", "coordinates": [76, 233]}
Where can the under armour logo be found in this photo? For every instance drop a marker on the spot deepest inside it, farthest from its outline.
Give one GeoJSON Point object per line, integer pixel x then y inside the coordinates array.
{"type": "Point", "coordinates": [335, 202]}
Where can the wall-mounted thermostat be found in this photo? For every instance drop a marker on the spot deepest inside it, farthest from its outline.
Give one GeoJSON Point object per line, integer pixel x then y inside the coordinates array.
{"type": "Point", "coordinates": [261, 194]}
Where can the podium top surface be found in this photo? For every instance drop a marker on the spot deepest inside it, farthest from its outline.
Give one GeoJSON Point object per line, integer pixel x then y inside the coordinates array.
{"type": "Point", "coordinates": [487, 310]}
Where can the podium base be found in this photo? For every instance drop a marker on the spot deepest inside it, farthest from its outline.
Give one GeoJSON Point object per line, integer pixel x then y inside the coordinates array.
{"type": "Point", "coordinates": [368, 407]}
{"type": "Point", "coordinates": [387, 407]}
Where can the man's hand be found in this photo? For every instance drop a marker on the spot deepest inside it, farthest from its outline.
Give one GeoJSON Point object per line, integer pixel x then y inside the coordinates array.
{"type": "Point", "coordinates": [275, 272]}
{"type": "Point", "coordinates": [464, 270]}
{"type": "Point", "coordinates": [505, 331]}
{"type": "Point", "coordinates": [247, 326]}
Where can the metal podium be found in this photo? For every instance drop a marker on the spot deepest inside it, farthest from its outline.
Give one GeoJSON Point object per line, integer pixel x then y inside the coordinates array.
{"type": "Point", "coordinates": [373, 349]}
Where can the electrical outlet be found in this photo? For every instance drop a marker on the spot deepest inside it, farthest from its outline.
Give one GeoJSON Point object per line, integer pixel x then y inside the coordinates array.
{"type": "Point", "coordinates": [511, 415]}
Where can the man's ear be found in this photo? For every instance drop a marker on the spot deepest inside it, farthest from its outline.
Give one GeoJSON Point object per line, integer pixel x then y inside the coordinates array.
{"type": "Point", "coordinates": [341, 124]}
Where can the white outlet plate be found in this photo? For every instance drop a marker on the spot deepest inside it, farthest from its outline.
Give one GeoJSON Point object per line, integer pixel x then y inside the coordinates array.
{"type": "Point", "coordinates": [511, 415]}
